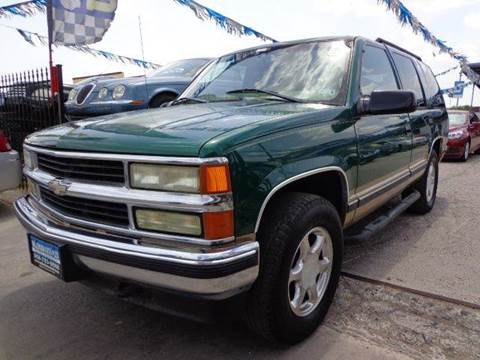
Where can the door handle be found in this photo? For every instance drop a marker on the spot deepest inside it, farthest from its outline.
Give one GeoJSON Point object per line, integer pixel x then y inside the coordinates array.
{"type": "Point", "coordinates": [408, 127]}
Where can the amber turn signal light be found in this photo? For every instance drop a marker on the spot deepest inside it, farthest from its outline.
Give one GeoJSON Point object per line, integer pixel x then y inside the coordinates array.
{"type": "Point", "coordinates": [215, 179]}
{"type": "Point", "coordinates": [218, 225]}
{"type": "Point", "coordinates": [137, 102]}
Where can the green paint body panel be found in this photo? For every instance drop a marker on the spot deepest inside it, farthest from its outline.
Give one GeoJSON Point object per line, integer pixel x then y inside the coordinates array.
{"type": "Point", "coordinates": [265, 142]}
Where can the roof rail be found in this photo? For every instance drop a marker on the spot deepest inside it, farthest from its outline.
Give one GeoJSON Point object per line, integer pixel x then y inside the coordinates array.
{"type": "Point", "coordinates": [383, 41]}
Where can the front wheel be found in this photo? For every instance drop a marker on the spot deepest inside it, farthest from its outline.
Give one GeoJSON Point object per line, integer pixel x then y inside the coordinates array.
{"type": "Point", "coordinates": [427, 187]}
{"type": "Point", "coordinates": [301, 248]}
{"type": "Point", "coordinates": [466, 151]}
{"type": "Point", "coordinates": [160, 99]}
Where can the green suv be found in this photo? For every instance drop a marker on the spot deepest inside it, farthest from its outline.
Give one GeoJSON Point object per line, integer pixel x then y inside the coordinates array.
{"type": "Point", "coordinates": [246, 186]}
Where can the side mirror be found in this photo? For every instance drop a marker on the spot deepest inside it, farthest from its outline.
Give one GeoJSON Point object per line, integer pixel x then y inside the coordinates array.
{"type": "Point", "coordinates": [389, 102]}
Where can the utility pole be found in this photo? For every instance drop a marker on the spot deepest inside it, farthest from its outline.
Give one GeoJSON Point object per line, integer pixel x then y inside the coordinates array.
{"type": "Point", "coordinates": [143, 57]}
{"type": "Point", "coordinates": [473, 93]}
{"type": "Point", "coordinates": [460, 79]}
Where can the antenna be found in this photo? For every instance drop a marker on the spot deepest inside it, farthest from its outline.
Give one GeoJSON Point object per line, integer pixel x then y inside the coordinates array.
{"type": "Point", "coordinates": [143, 56]}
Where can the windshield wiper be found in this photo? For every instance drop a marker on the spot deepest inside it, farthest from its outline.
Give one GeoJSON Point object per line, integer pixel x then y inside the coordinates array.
{"type": "Point", "coordinates": [184, 100]}
{"type": "Point", "coordinates": [269, 92]}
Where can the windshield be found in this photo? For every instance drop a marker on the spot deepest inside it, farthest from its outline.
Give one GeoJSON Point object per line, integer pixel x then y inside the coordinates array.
{"type": "Point", "coordinates": [457, 118]}
{"type": "Point", "coordinates": [309, 72]}
{"type": "Point", "coordinates": [184, 68]}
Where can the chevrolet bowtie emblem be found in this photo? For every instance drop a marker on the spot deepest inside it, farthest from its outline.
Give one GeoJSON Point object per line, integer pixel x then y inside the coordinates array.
{"type": "Point", "coordinates": [58, 186]}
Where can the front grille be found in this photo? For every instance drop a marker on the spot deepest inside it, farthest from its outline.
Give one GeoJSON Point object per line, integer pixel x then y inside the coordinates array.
{"type": "Point", "coordinates": [83, 93]}
{"type": "Point", "coordinates": [86, 209]}
{"type": "Point", "coordinates": [82, 169]}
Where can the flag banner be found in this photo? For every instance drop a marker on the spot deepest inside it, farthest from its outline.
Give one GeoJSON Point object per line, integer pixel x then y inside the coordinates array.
{"type": "Point", "coordinates": [25, 8]}
{"type": "Point", "coordinates": [447, 71]}
{"type": "Point", "coordinates": [35, 39]}
{"type": "Point", "coordinates": [406, 17]}
{"type": "Point", "coordinates": [229, 25]}
{"type": "Point", "coordinates": [80, 22]}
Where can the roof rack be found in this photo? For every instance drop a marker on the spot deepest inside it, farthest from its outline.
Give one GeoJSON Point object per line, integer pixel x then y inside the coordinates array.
{"type": "Point", "coordinates": [383, 41]}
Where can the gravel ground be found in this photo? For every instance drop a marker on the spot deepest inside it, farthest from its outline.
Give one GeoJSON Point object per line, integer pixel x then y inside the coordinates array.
{"type": "Point", "coordinates": [417, 326]}
{"type": "Point", "coordinates": [437, 252]}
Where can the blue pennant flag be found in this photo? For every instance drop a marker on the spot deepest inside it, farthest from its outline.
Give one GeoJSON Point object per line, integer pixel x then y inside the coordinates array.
{"type": "Point", "coordinates": [80, 22]}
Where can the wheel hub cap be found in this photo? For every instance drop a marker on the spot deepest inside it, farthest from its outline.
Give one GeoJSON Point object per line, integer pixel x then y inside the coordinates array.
{"type": "Point", "coordinates": [431, 182]}
{"type": "Point", "coordinates": [310, 271]}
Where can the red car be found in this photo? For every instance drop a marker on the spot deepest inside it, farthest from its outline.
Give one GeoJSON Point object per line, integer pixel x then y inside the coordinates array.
{"type": "Point", "coordinates": [463, 135]}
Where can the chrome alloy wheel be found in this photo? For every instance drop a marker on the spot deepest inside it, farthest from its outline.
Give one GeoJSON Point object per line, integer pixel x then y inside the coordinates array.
{"type": "Point", "coordinates": [310, 271]}
{"type": "Point", "coordinates": [432, 173]}
{"type": "Point", "coordinates": [467, 151]}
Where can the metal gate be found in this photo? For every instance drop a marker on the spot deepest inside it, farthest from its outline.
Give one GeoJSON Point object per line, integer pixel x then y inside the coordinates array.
{"type": "Point", "coordinates": [27, 104]}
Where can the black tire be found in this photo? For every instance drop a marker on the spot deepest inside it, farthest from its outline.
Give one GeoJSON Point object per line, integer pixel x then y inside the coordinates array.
{"type": "Point", "coordinates": [466, 152]}
{"type": "Point", "coordinates": [160, 99]}
{"type": "Point", "coordinates": [425, 204]}
{"type": "Point", "coordinates": [290, 217]}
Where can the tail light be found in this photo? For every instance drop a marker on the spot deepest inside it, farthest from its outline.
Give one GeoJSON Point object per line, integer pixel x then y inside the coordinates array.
{"type": "Point", "coordinates": [4, 144]}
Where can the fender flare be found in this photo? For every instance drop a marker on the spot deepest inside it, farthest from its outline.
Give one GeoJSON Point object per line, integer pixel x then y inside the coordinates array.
{"type": "Point", "coordinates": [299, 177]}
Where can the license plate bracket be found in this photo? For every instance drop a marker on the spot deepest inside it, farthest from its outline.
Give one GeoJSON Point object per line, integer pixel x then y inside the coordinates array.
{"type": "Point", "coordinates": [53, 258]}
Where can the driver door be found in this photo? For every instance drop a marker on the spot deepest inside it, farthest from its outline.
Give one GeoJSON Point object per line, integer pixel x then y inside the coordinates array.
{"type": "Point", "coordinates": [384, 141]}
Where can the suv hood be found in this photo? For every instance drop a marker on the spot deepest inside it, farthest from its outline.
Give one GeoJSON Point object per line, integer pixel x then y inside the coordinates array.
{"type": "Point", "coordinates": [179, 130]}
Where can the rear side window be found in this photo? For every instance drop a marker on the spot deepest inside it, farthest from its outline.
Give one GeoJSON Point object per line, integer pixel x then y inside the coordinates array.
{"type": "Point", "coordinates": [430, 84]}
{"type": "Point", "coordinates": [409, 77]}
{"type": "Point", "coordinates": [377, 71]}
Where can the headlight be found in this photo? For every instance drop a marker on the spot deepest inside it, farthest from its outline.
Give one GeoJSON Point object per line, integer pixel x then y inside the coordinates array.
{"type": "Point", "coordinates": [103, 93]}
{"type": "Point", "coordinates": [171, 222]}
{"type": "Point", "coordinates": [165, 177]}
{"type": "Point", "coordinates": [456, 134]}
{"type": "Point", "coordinates": [118, 91]}
{"type": "Point", "coordinates": [207, 179]}
{"type": "Point", "coordinates": [72, 95]}
{"type": "Point", "coordinates": [27, 159]}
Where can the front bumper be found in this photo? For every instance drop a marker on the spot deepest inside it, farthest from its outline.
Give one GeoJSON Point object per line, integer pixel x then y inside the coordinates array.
{"type": "Point", "coordinates": [455, 148]}
{"type": "Point", "coordinates": [217, 273]}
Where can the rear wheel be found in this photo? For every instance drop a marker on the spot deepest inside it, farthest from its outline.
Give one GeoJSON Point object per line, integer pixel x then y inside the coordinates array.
{"type": "Point", "coordinates": [427, 187]}
{"type": "Point", "coordinates": [301, 254]}
{"type": "Point", "coordinates": [161, 99]}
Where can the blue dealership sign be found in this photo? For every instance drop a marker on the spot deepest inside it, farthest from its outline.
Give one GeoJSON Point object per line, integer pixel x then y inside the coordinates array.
{"type": "Point", "coordinates": [457, 91]}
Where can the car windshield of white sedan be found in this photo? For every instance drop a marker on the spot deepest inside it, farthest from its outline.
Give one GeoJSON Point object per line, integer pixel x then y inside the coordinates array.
{"type": "Point", "coordinates": [306, 72]}
{"type": "Point", "coordinates": [184, 68]}
{"type": "Point", "coordinates": [457, 119]}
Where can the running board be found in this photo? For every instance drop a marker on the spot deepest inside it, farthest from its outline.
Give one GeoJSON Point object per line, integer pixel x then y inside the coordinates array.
{"type": "Point", "coordinates": [383, 220]}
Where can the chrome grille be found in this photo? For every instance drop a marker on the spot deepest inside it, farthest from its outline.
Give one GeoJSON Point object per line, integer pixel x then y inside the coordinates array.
{"type": "Point", "coordinates": [83, 93]}
{"type": "Point", "coordinates": [82, 169]}
{"type": "Point", "coordinates": [87, 209]}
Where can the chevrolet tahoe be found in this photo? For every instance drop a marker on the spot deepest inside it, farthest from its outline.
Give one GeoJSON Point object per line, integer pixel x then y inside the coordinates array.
{"type": "Point", "coordinates": [248, 183]}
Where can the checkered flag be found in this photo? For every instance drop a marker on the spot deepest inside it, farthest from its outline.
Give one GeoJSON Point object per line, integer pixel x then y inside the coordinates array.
{"type": "Point", "coordinates": [80, 22]}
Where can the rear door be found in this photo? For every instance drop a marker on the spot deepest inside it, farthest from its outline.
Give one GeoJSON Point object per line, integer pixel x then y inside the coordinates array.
{"type": "Point", "coordinates": [435, 110]}
{"type": "Point", "coordinates": [420, 119]}
{"type": "Point", "coordinates": [384, 143]}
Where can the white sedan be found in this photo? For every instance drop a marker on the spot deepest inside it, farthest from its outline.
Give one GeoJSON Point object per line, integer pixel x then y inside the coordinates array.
{"type": "Point", "coordinates": [10, 165]}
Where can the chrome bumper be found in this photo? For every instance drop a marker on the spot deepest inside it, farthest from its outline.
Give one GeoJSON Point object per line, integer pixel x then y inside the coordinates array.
{"type": "Point", "coordinates": [214, 273]}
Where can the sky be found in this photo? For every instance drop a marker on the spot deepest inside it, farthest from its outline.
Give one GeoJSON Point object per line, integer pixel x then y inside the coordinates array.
{"type": "Point", "coordinates": [172, 32]}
